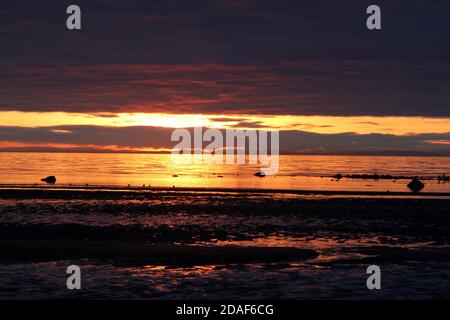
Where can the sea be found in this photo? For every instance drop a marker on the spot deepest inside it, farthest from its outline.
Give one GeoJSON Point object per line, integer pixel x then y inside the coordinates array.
{"type": "Point", "coordinates": [296, 172]}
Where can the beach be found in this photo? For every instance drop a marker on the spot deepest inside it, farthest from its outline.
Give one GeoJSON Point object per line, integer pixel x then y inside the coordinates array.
{"type": "Point", "coordinates": [200, 243]}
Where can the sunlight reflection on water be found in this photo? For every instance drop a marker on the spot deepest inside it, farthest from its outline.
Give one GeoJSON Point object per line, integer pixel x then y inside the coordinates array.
{"type": "Point", "coordinates": [296, 172]}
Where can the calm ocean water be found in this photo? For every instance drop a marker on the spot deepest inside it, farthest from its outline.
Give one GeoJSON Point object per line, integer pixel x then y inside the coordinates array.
{"type": "Point", "coordinates": [296, 172]}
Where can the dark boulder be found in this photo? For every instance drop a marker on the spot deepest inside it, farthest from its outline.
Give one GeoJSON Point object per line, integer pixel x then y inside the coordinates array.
{"type": "Point", "coordinates": [338, 176]}
{"type": "Point", "coordinates": [416, 185]}
{"type": "Point", "coordinates": [50, 180]}
{"type": "Point", "coordinates": [260, 174]}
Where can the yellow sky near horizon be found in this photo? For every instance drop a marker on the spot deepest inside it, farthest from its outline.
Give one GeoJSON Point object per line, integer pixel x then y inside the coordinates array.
{"type": "Point", "coordinates": [316, 124]}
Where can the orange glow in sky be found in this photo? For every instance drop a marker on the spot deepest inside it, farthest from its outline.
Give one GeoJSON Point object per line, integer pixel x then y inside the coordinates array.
{"type": "Point", "coordinates": [317, 124]}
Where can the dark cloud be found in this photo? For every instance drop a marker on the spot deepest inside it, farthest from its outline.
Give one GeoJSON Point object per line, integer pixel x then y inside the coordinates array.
{"type": "Point", "coordinates": [291, 142]}
{"type": "Point", "coordinates": [355, 143]}
{"type": "Point", "coordinates": [133, 137]}
{"type": "Point", "coordinates": [226, 56]}
{"type": "Point", "coordinates": [341, 88]}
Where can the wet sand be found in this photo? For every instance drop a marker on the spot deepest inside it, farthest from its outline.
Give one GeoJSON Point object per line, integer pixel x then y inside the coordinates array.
{"type": "Point", "coordinates": [24, 251]}
{"type": "Point", "coordinates": [249, 243]}
{"type": "Point", "coordinates": [95, 192]}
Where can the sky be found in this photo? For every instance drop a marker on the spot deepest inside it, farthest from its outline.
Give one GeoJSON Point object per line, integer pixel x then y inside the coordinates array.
{"type": "Point", "coordinates": [311, 69]}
